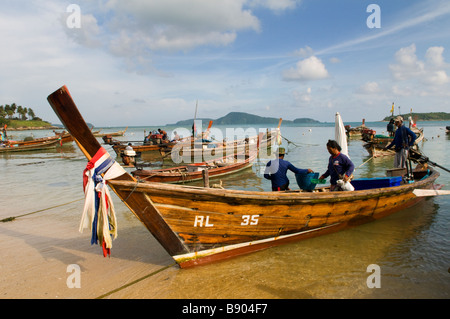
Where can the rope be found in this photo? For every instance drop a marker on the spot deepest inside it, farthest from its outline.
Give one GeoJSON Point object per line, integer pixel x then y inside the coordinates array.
{"type": "Point", "coordinates": [10, 219]}
{"type": "Point", "coordinates": [364, 163]}
{"type": "Point", "coordinates": [132, 191]}
{"type": "Point", "coordinates": [290, 142]}
{"type": "Point", "coordinates": [135, 281]}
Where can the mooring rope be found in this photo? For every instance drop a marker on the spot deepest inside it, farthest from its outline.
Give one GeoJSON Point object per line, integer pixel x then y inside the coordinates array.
{"type": "Point", "coordinates": [10, 219]}
{"type": "Point", "coordinates": [135, 281]}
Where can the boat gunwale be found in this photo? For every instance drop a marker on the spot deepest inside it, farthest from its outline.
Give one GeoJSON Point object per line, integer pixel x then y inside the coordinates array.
{"type": "Point", "coordinates": [269, 196]}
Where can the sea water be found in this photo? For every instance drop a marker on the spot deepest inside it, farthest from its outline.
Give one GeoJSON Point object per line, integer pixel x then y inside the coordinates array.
{"type": "Point", "coordinates": [410, 248]}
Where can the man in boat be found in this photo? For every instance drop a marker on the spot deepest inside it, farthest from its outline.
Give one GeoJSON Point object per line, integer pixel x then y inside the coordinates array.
{"type": "Point", "coordinates": [276, 171]}
{"type": "Point", "coordinates": [391, 128]}
{"type": "Point", "coordinates": [340, 167]}
{"type": "Point", "coordinates": [403, 139]}
{"type": "Point", "coordinates": [176, 137]}
{"type": "Point", "coordinates": [163, 133]}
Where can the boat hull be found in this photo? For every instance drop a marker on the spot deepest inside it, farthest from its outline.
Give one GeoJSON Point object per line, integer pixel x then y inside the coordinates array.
{"type": "Point", "coordinates": [217, 224]}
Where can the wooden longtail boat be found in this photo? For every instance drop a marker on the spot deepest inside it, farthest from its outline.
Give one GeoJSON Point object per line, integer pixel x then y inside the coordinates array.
{"type": "Point", "coordinates": [193, 172]}
{"type": "Point", "coordinates": [198, 225]}
{"type": "Point", "coordinates": [62, 137]}
{"type": "Point", "coordinates": [118, 133]}
{"type": "Point", "coordinates": [192, 152]}
{"type": "Point", "coordinates": [30, 147]}
{"type": "Point", "coordinates": [356, 131]}
{"type": "Point", "coordinates": [376, 146]}
{"type": "Point", "coordinates": [140, 148]}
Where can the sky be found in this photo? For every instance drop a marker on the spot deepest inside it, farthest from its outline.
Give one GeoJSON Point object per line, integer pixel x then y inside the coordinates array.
{"type": "Point", "coordinates": [150, 62]}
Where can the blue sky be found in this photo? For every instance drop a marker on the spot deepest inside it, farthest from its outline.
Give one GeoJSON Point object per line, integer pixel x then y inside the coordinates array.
{"type": "Point", "coordinates": [141, 62]}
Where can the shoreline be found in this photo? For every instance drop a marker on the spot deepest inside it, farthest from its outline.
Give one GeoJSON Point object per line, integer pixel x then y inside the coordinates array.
{"type": "Point", "coordinates": [33, 128]}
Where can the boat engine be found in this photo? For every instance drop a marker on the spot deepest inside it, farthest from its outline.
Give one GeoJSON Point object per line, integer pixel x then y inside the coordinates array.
{"type": "Point", "coordinates": [128, 157]}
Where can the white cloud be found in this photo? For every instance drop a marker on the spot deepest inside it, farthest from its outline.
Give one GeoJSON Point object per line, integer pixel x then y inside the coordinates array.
{"type": "Point", "coordinates": [304, 52]}
{"type": "Point", "coordinates": [275, 5]}
{"type": "Point", "coordinates": [434, 57]}
{"type": "Point", "coordinates": [410, 67]}
{"type": "Point", "coordinates": [302, 97]}
{"type": "Point", "coordinates": [308, 69]}
{"type": "Point", "coordinates": [369, 88]}
{"type": "Point", "coordinates": [176, 25]}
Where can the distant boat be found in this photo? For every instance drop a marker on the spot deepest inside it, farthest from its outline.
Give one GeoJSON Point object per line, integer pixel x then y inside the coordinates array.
{"type": "Point", "coordinates": [118, 133]}
{"type": "Point", "coordinates": [356, 131]}
{"type": "Point", "coordinates": [38, 146]}
{"type": "Point", "coordinates": [61, 137]}
{"type": "Point", "coordinates": [375, 146]}
{"type": "Point", "coordinates": [193, 172]}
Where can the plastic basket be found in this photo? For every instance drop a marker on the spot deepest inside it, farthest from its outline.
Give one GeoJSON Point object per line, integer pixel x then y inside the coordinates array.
{"type": "Point", "coordinates": [305, 182]}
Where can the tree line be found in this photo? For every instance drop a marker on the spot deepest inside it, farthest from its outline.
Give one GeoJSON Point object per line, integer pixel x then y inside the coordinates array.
{"type": "Point", "coordinates": [16, 112]}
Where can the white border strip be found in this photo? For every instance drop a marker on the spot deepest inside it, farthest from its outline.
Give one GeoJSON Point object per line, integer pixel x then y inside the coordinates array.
{"type": "Point", "coordinates": [208, 252]}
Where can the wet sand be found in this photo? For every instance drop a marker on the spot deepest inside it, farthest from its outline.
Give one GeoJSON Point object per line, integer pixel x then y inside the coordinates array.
{"type": "Point", "coordinates": [37, 249]}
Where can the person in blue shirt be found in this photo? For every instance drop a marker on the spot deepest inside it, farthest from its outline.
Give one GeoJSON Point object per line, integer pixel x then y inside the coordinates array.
{"type": "Point", "coordinates": [339, 165]}
{"type": "Point", "coordinates": [276, 171]}
{"type": "Point", "coordinates": [403, 139]}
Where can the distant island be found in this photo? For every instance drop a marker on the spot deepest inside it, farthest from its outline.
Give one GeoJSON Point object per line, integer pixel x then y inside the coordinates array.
{"type": "Point", "coordinates": [243, 118]}
{"type": "Point", "coordinates": [431, 116]}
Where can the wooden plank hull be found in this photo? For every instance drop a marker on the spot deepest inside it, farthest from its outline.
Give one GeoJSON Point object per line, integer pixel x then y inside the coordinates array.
{"type": "Point", "coordinates": [216, 224]}
{"type": "Point", "coordinates": [185, 174]}
{"type": "Point", "coordinates": [31, 147]}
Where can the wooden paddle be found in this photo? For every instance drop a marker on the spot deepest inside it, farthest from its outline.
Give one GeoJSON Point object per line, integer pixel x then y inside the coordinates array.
{"type": "Point", "coordinates": [430, 192]}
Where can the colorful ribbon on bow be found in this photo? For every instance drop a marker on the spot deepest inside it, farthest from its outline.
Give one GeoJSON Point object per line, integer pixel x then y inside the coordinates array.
{"type": "Point", "coordinates": [98, 212]}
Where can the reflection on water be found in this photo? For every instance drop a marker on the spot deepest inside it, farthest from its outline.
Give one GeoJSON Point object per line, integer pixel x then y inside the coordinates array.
{"type": "Point", "coordinates": [412, 247]}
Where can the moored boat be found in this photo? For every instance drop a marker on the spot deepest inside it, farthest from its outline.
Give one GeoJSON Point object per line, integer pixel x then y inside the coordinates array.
{"type": "Point", "coordinates": [117, 133]}
{"type": "Point", "coordinates": [193, 172]}
{"type": "Point", "coordinates": [376, 146]}
{"type": "Point", "coordinates": [197, 225]}
{"type": "Point", "coordinates": [356, 132]}
{"type": "Point", "coordinates": [43, 145]}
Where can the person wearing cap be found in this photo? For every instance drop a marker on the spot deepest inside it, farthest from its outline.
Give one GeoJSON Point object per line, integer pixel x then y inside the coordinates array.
{"type": "Point", "coordinates": [276, 171]}
{"type": "Point", "coordinates": [339, 165]}
{"type": "Point", "coordinates": [403, 139]}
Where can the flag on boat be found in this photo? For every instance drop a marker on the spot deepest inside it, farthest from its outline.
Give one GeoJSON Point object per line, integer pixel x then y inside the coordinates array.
{"type": "Point", "coordinates": [340, 134]}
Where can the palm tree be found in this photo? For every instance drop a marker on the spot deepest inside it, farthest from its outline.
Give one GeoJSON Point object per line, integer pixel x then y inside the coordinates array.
{"type": "Point", "coordinates": [19, 110]}
{"type": "Point", "coordinates": [13, 108]}
{"type": "Point", "coordinates": [31, 113]}
{"type": "Point", "coordinates": [24, 114]}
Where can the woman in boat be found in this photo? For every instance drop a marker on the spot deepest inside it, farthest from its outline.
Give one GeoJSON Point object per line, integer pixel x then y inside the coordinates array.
{"type": "Point", "coordinates": [276, 171]}
{"type": "Point", "coordinates": [340, 167]}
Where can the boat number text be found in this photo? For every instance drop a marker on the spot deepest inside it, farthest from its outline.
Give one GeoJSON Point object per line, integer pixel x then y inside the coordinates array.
{"type": "Point", "coordinates": [247, 220]}
{"type": "Point", "coordinates": [202, 221]}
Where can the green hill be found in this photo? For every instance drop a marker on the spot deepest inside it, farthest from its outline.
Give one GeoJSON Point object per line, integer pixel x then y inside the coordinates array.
{"type": "Point", "coordinates": [242, 118]}
{"type": "Point", "coordinates": [432, 116]}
